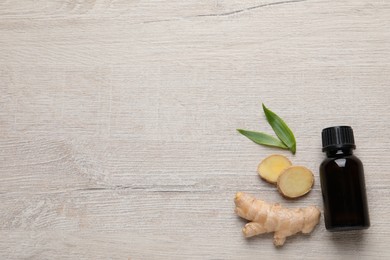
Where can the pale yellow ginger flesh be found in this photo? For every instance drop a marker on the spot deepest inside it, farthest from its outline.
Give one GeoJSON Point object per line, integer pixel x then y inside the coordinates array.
{"type": "Point", "coordinates": [266, 218]}
{"type": "Point", "coordinates": [271, 167]}
{"type": "Point", "coordinates": [295, 181]}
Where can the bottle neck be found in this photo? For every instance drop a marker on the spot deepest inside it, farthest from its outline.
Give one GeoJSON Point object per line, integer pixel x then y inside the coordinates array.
{"type": "Point", "coordinates": [339, 152]}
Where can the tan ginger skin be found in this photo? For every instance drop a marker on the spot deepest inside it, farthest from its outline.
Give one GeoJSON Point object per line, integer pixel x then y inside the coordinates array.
{"type": "Point", "coordinates": [267, 218]}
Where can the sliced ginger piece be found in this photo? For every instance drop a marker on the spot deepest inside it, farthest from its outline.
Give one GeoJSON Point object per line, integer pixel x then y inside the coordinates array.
{"type": "Point", "coordinates": [295, 181]}
{"type": "Point", "coordinates": [271, 167]}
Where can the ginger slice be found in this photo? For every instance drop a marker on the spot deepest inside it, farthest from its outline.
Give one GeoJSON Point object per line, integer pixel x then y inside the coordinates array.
{"type": "Point", "coordinates": [295, 181]}
{"type": "Point", "coordinates": [271, 167]}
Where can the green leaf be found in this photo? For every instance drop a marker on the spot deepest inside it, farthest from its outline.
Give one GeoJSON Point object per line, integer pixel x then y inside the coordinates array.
{"type": "Point", "coordinates": [262, 138]}
{"type": "Point", "coordinates": [281, 129]}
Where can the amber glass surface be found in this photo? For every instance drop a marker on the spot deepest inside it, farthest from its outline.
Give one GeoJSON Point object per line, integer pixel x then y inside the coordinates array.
{"type": "Point", "coordinates": [344, 192]}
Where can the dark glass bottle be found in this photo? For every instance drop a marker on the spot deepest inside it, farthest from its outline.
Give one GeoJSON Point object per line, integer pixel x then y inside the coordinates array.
{"type": "Point", "coordinates": [342, 182]}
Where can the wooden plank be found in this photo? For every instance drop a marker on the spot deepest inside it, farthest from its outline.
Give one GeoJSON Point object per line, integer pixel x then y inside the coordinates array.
{"type": "Point", "coordinates": [118, 118]}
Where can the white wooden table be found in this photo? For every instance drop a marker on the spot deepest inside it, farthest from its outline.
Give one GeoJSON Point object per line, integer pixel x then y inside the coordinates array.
{"type": "Point", "coordinates": [118, 118]}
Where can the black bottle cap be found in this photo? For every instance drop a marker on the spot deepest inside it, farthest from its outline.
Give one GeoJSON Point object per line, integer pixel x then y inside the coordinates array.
{"type": "Point", "coordinates": [337, 137]}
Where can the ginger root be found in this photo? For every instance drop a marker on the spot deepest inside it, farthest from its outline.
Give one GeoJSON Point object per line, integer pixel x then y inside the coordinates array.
{"type": "Point", "coordinates": [267, 218]}
{"type": "Point", "coordinates": [295, 181]}
{"type": "Point", "coordinates": [272, 166]}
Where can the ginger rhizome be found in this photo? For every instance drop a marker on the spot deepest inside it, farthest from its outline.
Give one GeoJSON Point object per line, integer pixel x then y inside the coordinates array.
{"type": "Point", "coordinates": [267, 218]}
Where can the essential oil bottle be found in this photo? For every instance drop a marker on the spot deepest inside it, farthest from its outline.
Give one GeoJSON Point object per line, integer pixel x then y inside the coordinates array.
{"type": "Point", "coordinates": [342, 182]}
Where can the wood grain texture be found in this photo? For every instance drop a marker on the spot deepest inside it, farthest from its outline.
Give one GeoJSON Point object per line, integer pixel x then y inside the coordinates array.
{"type": "Point", "coordinates": [118, 118]}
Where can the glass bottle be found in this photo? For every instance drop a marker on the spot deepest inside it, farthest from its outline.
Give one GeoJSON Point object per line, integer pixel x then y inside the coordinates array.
{"type": "Point", "coordinates": [342, 182]}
